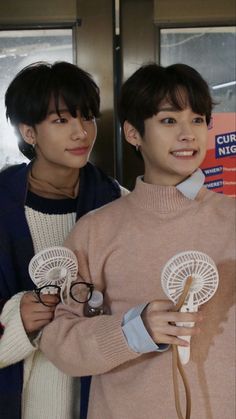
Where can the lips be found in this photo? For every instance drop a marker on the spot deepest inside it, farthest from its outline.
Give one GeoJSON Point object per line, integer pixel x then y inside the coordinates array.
{"type": "Point", "coordinates": [184, 153]}
{"type": "Point", "coordinates": [78, 151]}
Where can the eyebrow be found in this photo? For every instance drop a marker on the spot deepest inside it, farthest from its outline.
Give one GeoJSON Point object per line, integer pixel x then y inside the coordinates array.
{"type": "Point", "coordinates": [167, 109]}
{"type": "Point", "coordinates": [54, 111]}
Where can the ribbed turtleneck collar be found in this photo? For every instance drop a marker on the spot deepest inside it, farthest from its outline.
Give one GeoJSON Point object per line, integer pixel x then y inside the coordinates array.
{"type": "Point", "coordinates": [159, 198]}
{"type": "Point", "coordinates": [168, 198]}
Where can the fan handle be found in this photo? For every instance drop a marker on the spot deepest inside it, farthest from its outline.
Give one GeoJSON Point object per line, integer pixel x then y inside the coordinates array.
{"type": "Point", "coordinates": [184, 351]}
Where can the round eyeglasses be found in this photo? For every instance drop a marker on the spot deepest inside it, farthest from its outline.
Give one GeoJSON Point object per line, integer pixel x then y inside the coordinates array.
{"type": "Point", "coordinates": [81, 292]}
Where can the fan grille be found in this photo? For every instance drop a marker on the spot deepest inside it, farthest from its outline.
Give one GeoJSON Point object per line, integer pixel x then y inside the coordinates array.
{"type": "Point", "coordinates": [52, 266]}
{"type": "Point", "coordinates": [200, 267]}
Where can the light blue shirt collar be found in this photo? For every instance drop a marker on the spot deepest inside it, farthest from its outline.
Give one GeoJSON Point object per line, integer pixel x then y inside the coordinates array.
{"type": "Point", "coordinates": [192, 185]}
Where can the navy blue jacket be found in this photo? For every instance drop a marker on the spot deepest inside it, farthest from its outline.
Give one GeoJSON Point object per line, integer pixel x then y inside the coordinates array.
{"type": "Point", "coordinates": [16, 250]}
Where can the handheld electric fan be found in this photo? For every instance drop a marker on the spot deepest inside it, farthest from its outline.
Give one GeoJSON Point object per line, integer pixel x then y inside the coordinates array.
{"type": "Point", "coordinates": [55, 265]}
{"type": "Point", "coordinates": [203, 271]}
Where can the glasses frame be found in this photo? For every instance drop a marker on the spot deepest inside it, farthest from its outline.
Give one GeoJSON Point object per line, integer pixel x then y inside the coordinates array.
{"type": "Point", "coordinates": [90, 291]}
{"type": "Point", "coordinates": [38, 290]}
{"type": "Point", "coordinates": [89, 286]}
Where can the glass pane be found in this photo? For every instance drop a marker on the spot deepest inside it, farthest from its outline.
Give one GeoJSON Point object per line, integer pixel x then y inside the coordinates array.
{"type": "Point", "coordinates": [197, 47]}
{"type": "Point", "coordinates": [18, 49]}
{"type": "Point", "coordinates": [212, 52]}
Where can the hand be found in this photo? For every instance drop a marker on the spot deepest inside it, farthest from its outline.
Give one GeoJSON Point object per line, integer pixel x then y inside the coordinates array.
{"type": "Point", "coordinates": [159, 319]}
{"type": "Point", "coordinates": [34, 314]}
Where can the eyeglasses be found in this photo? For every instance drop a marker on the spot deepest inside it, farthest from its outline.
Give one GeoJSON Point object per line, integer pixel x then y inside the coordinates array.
{"type": "Point", "coordinates": [81, 292]}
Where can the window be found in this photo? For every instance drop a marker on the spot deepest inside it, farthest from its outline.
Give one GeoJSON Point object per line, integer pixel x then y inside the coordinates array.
{"type": "Point", "coordinates": [211, 51]}
{"type": "Point", "coordinates": [19, 48]}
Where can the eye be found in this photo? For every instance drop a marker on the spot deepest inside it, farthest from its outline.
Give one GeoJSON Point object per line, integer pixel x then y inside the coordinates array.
{"type": "Point", "coordinates": [199, 120]}
{"type": "Point", "coordinates": [60, 121]}
{"type": "Point", "coordinates": [88, 118]}
{"type": "Point", "coordinates": [168, 121]}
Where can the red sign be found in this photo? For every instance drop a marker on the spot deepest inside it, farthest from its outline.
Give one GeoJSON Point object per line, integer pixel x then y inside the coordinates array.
{"type": "Point", "coordinates": [219, 165]}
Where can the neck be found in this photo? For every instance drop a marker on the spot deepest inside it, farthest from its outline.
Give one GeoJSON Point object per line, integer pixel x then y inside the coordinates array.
{"type": "Point", "coordinates": [163, 181]}
{"type": "Point", "coordinates": [59, 177]}
{"type": "Point", "coordinates": [53, 184]}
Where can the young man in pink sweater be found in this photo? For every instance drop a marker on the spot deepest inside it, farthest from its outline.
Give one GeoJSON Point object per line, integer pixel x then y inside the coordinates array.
{"type": "Point", "coordinates": [122, 249]}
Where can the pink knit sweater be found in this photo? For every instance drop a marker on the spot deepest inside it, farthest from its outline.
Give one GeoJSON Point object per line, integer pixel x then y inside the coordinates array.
{"type": "Point", "coordinates": [122, 249]}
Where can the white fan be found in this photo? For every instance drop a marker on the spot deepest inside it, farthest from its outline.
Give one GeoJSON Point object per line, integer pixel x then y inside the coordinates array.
{"type": "Point", "coordinates": [203, 271]}
{"type": "Point", "coordinates": [55, 265]}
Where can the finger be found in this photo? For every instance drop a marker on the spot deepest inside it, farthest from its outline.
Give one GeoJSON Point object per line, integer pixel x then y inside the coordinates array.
{"type": "Point", "coordinates": [179, 317]}
{"type": "Point", "coordinates": [160, 305]}
{"type": "Point", "coordinates": [42, 323]}
{"type": "Point", "coordinates": [29, 296]}
{"type": "Point", "coordinates": [42, 316]}
{"type": "Point", "coordinates": [37, 325]}
{"type": "Point", "coordinates": [36, 321]}
{"type": "Point", "coordinates": [49, 301]}
{"type": "Point", "coordinates": [189, 317]}
{"type": "Point", "coordinates": [171, 340]}
{"type": "Point", "coordinates": [179, 331]}
{"type": "Point", "coordinates": [49, 298]}
{"type": "Point", "coordinates": [41, 308]}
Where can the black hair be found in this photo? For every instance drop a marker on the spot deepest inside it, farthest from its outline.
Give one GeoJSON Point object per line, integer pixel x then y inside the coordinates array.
{"type": "Point", "coordinates": [142, 93]}
{"type": "Point", "coordinates": [28, 95]}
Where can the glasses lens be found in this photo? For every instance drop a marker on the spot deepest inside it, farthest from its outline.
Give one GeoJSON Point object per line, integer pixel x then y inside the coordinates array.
{"type": "Point", "coordinates": [81, 292]}
{"type": "Point", "coordinates": [49, 290]}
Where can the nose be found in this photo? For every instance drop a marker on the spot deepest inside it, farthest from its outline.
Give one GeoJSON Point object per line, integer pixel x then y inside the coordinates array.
{"type": "Point", "coordinates": [77, 131]}
{"type": "Point", "coordinates": [186, 132]}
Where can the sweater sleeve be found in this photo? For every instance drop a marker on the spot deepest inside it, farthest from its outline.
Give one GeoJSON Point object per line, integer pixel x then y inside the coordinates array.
{"type": "Point", "coordinates": [78, 345]}
{"type": "Point", "coordinates": [81, 346]}
{"type": "Point", "coordinates": [14, 343]}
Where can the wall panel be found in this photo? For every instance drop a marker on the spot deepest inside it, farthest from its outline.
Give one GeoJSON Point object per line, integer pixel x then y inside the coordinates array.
{"type": "Point", "coordinates": [35, 11]}
{"type": "Point", "coordinates": [95, 55]}
{"type": "Point", "coordinates": [137, 41]}
{"type": "Point", "coordinates": [194, 11]}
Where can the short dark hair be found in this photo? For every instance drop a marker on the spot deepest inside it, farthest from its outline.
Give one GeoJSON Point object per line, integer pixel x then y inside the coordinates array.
{"type": "Point", "coordinates": [142, 93]}
{"type": "Point", "coordinates": [28, 95]}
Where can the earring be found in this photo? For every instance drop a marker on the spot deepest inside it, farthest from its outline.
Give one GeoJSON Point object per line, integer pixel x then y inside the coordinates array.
{"type": "Point", "coordinates": [137, 147]}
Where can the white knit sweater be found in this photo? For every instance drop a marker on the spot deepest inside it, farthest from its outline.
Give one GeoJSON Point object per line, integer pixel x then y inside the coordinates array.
{"type": "Point", "coordinates": [46, 391]}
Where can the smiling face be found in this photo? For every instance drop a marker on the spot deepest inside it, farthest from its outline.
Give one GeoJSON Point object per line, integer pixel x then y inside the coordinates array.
{"type": "Point", "coordinates": [62, 142]}
{"type": "Point", "coordinates": [173, 146]}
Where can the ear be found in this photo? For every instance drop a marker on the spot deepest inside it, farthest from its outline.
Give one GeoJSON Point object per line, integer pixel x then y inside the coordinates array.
{"type": "Point", "coordinates": [27, 133]}
{"type": "Point", "coordinates": [131, 134]}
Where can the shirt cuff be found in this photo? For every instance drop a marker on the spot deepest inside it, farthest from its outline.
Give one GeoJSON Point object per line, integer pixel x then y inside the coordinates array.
{"type": "Point", "coordinates": [136, 334]}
